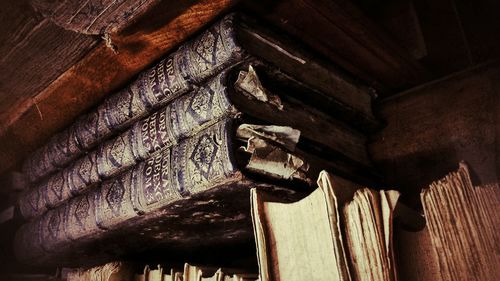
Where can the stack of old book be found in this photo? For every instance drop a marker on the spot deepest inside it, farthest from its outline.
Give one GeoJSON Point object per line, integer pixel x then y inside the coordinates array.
{"type": "Point", "coordinates": [170, 159]}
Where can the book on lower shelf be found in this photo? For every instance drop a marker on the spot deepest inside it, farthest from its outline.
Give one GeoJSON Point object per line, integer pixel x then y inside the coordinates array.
{"type": "Point", "coordinates": [126, 271]}
{"type": "Point", "coordinates": [343, 232]}
{"type": "Point", "coordinates": [461, 238]}
{"type": "Point", "coordinates": [339, 232]}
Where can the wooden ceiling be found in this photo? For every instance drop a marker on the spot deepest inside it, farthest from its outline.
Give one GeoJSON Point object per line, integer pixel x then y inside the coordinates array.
{"type": "Point", "coordinates": [60, 58]}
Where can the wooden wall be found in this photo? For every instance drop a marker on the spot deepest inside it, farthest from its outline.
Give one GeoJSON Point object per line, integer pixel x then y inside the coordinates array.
{"type": "Point", "coordinates": [432, 127]}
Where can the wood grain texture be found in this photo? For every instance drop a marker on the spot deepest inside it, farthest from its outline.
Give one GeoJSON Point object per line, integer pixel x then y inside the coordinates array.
{"type": "Point", "coordinates": [30, 65]}
{"type": "Point", "coordinates": [33, 53]}
{"type": "Point", "coordinates": [432, 128]}
{"type": "Point", "coordinates": [93, 16]}
{"type": "Point", "coordinates": [100, 72]}
{"type": "Point", "coordinates": [340, 32]}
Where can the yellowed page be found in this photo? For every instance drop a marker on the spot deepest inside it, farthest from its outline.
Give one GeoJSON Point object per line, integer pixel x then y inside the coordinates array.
{"type": "Point", "coordinates": [297, 238]}
{"type": "Point", "coordinates": [462, 228]}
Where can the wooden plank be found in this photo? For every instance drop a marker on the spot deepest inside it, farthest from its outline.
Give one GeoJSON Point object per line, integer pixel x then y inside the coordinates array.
{"type": "Point", "coordinates": [481, 25]}
{"type": "Point", "coordinates": [93, 17]}
{"type": "Point", "coordinates": [447, 47]}
{"type": "Point", "coordinates": [33, 53]}
{"type": "Point", "coordinates": [100, 72]}
{"type": "Point", "coordinates": [32, 64]}
{"type": "Point", "coordinates": [340, 32]}
{"type": "Point", "coordinates": [17, 20]}
{"type": "Point", "coordinates": [430, 129]}
{"type": "Point", "coordinates": [400, 19]}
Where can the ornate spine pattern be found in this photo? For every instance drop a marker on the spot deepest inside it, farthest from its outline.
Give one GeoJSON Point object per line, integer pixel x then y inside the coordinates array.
{"type": "Point", "coordinates": [194, 165]}
{"type": "Point", "coordinates": [180, 72]}
{"type": "Point", "coordinates": [182, 118]}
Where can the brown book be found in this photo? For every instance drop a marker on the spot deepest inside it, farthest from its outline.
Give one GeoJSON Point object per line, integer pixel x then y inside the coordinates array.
{"type": "Point", "coordinates": [462, 222]}
{"type": "Point", "coordinates": [223, 45]}
{"type": "Point", "coordinates": [232, 93]}
{"type": "Point", "coordinates": [460, 240]}
{"type": "Point", "coordinates": [369, 233]}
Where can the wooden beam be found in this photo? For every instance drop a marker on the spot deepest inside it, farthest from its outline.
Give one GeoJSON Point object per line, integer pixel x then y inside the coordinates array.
{"type": "Point", "coordinates": [339, 31]}
{"type": "Point", "coordinates": [33, 53]}
{"type": "Point", "coordinates": [93, 17]}
{"type": "Point", "coordinates": [100, 72]}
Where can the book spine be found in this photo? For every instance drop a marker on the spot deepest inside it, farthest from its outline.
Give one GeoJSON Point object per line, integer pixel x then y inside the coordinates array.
{"type": "Point", "coordinates": [194, 62]}
{"type": "Point", "coordinates": [194, 165]}
{"type": "Point", "coordinates": [182, 118]}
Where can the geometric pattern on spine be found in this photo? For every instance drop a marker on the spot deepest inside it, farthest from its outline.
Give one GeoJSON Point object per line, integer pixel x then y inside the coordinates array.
{"type": "Point", "coordinates": [200, 106]}
{"type": "Point", "coordinates": [206, 49]}
{"type": "Point", "coordinates": [203, 154]}
{"type": "Point", "coordinates": [117, 152]}
{"type": "Point", "coordinates": [53, 224]}
{"type": "Point", "coordinates": [85, 169]}
{"type": "Point", "coordinates": [114, 196]}
{"type": "Point", "coordinates": [213, 50]}
{"type": "Point", "coordinates": [90, 126]}
{"type": "Point", "coordinates": [57, 185]}
{"type": "Point", "coordinates": [119, 108]}
{"type": "Point", "coordinates": [33, 199]}
{"type": "Point", "coordinates": [81, 211]}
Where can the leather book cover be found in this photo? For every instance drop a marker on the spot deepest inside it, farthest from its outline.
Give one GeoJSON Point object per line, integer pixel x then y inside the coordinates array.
{"type": "Point", "coordinates": [195, 165]}
{"type": "Point", "coordinates": [180, 119]}
{"type": "Point", "coordinates": [177, 74]}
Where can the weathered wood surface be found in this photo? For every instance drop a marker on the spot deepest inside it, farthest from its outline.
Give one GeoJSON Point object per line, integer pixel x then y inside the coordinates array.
{"type": "Point", "coordinates": [100, 72]}
{"type": "Point", "coordinates": [400, 20]}
{"type": "Point", "coordinates": [339, 31]}
{"type": "Point", "coordinates": [33, 52]}
{"type": "Point", "coordinates": [94, 16]}
{"type": "Point", "coordinates": [454, 34]}
{"type": "Point", "coordinates": [433, 127]}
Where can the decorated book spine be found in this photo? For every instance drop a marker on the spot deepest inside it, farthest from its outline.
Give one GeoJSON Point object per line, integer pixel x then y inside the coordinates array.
{"type": "Point", "coordinates": [195, 165]}
{"type": "Point", "coordinates": [182, 118]}
{"type": "Point", "coordinates": [178, 73]}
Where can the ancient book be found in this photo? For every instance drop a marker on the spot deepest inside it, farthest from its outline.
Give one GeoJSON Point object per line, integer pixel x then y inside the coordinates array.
{"type": "Point", "coordinates": [234, 93]}
{"type": "Point", "coordinates": [369, 232]}
{"type": "Point", "coordinates": [305, 233]}
{"type": "Point", "coordinates": [123, 271]}
{"type": "Point", "coordinates": [462, 221]}
{"type": "Point", "coordinates": [113, 271]}
{"type": "Point", "coordinates": [203, 179]}
{"type": "Point", "coordinates": [228, 42]}
{"type": "Point", "coordinates": [338, 232]}
{"type": "Point", "coordinates": [189, 273]}
{"type": "Point", "coordinates": [174, 75]}
{"type": "Point", "coordinates": [460, 239]}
